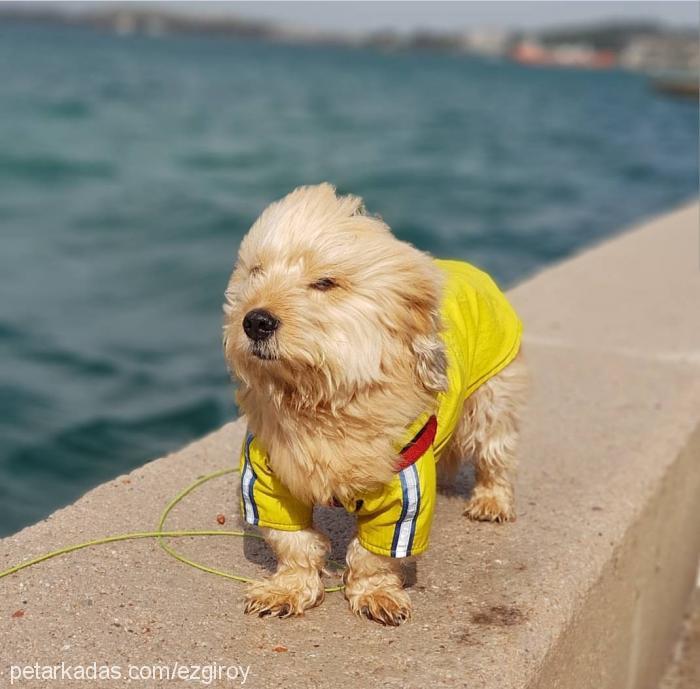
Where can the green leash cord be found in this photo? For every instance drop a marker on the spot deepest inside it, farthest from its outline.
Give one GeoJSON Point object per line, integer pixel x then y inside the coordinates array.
{"type": "Point", "coordinates": [160, 534]}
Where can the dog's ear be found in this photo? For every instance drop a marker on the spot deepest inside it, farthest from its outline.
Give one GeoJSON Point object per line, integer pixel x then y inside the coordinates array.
{"type": "Point", "coordinates": [421, 291]}
{"type": "Point", "coordinates": [431, 362]}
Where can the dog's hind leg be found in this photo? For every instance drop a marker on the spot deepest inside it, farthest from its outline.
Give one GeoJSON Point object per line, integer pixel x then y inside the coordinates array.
{"type": "Point", "coordinates": [488, 435]}
{"type": "Point", "coordinates": [296, 585]}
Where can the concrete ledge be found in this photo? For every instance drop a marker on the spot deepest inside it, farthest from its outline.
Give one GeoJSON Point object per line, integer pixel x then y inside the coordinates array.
{"type": "Point", "coordinates": [586, 589]}
{"type": "Point", "coordinates": [684, 670]}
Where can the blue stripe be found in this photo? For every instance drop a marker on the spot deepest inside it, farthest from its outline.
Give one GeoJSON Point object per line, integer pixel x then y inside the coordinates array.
{"type": "Point", "coordinates": [415, 518]}
{"type": "Point", "coordinates": [404, 509]}
{"type": "Point", "coordinates": [249, 465]}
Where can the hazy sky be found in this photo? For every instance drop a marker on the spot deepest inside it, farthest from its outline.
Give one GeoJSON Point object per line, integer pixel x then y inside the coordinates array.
{"type": "Point", "coordinates": [406, 16]}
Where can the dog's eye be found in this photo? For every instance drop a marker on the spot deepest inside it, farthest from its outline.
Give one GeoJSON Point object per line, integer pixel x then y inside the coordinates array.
{"type": "Point", "coordinates": [324, 284]}
{"type": "Point", "coordinates": [256, 270]}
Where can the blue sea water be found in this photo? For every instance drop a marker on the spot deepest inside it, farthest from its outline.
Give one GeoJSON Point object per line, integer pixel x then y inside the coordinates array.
{"type": "Point", "coordinates": [130, 168]}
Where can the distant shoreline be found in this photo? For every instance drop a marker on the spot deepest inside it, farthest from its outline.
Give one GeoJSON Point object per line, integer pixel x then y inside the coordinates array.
{"type": "Point", "coordinates": [642, 46]}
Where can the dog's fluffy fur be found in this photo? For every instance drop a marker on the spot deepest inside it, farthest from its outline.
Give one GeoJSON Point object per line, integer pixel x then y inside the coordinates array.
{"type": "Point", "coordinates": [354, 362]}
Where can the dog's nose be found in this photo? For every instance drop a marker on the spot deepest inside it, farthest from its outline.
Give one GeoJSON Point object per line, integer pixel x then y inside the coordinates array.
{"type": "Point", "coordinates": [259, 324]}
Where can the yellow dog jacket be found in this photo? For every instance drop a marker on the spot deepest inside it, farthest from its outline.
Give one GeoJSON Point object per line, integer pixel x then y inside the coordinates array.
{"type": "Point", "coordinates": [482, 336]}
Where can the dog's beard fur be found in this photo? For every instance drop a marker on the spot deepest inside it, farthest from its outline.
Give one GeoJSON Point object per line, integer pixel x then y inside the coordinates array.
{"type": "Point", "coordinates": [354, 360]}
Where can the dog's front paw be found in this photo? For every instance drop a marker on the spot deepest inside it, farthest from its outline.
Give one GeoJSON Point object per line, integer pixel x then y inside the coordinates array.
{"type": "Point", "coordinates": [285, 594]}
{"type": "Point", "coordinates": [388, 606]}
{"type": "Point", "coordinates": [488, 505]}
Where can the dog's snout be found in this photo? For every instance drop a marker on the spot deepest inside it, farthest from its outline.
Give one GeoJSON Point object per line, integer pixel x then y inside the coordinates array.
{"type": "Point", "coordinates": [259, 324]}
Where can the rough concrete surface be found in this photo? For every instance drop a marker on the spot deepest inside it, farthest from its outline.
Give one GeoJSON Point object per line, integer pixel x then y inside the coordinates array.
{"type": "Point", "coordinates": [586, 589]}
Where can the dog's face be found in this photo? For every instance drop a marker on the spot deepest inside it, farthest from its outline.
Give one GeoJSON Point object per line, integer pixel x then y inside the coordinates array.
{"type": "Point", "coordinates": [325, 300]}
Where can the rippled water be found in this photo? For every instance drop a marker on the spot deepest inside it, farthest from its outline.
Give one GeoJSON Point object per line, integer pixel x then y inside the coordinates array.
{"type": "Point", "coordinates": [131, 167]}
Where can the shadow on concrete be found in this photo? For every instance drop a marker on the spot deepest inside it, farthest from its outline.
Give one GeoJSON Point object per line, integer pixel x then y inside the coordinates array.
{"type": "Point", "coordinates": [460, 486]}
{"type": "Point", "coordinates": [339, 526]}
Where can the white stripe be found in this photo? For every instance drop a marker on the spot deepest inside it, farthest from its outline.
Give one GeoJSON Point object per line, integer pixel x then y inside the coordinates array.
{"type": "Point", "coordinates": [246, 480]}
{"type": "Point", "coordinates": [412, 488]}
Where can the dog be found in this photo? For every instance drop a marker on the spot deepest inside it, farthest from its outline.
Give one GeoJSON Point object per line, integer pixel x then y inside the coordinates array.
{"type": "Point", "coordinates": [360, 362]}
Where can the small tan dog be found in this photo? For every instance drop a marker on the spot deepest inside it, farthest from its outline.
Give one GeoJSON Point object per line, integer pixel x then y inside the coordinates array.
{"type": "Point", "coordinates": [361, 361]}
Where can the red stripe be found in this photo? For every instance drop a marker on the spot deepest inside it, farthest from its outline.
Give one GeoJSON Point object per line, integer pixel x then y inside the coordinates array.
{"type": "Point", "coordinates": [419, 445]}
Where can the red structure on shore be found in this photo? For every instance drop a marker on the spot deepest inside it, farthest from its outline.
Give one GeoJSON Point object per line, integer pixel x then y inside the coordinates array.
{"type": "Point", "coordinates": [573, 55]}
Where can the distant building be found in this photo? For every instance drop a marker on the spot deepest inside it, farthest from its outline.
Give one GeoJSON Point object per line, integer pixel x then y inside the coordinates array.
{"type": "Point", "coordinates": [487, 42]}
{"type": "Point", "coordinates": [662, 53]}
